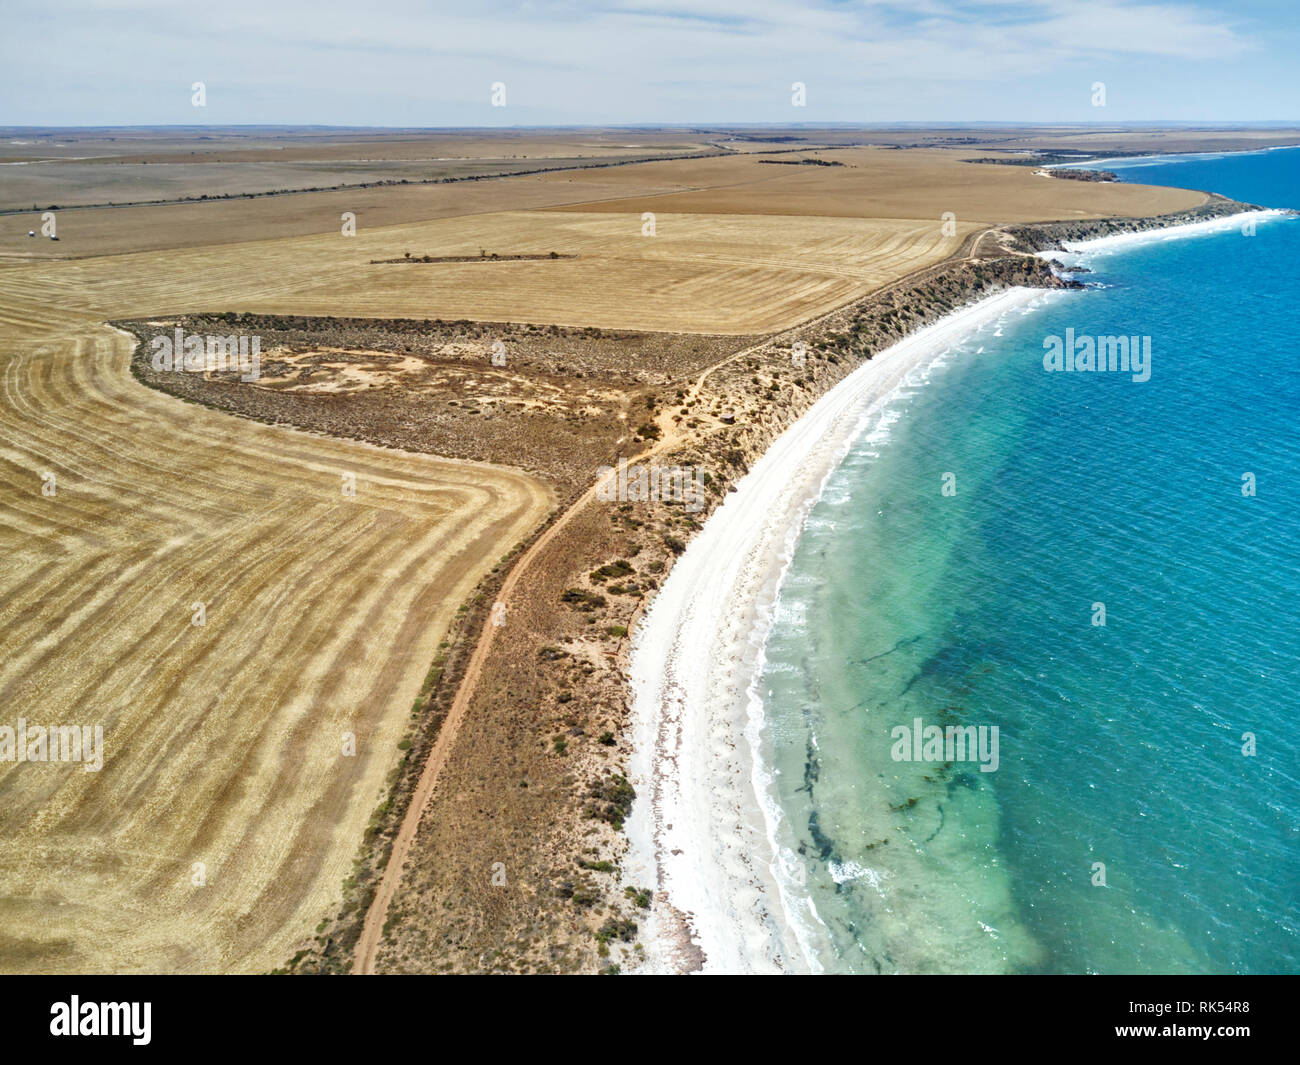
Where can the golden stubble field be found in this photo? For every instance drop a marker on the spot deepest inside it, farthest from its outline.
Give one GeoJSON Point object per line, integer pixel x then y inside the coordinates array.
{"type": "Point", "coordinates": [698, 273]}
{"type": "Point", "coordinates": [223, 743]}
{"type": "Point", "coordinates": [918, 184]}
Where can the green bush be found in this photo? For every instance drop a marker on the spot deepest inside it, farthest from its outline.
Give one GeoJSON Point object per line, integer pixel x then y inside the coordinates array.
{"type": "Point", "coordinates": [610, 799]}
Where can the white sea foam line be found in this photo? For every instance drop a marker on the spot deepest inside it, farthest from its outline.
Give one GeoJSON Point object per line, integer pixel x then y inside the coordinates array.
{"type": "Point", "coordinates": [1132, 162]}
{"type": "Point", "coordinates": [1118, 241]}
{"type": "Point", "coordinates": [1128, 162]}
{"type": "Point", "coordinates": [704, 826]}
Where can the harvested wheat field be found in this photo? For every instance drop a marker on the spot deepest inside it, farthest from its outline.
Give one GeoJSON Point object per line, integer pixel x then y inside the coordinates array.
{"type": "Point", "coordinates": [226, 815]}
{"type": "Point", "coordinates": [698, 273]}
{"type": "Point", "coordinates": [886, 183]}
{"type": "Point", "coordinates": [707, 274]}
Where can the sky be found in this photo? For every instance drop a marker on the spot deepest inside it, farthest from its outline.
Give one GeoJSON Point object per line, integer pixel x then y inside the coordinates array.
{"type": "Point", "coordinates": [628, 62]}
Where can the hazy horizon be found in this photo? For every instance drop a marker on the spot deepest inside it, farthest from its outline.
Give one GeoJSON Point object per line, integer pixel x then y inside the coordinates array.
{"type": "Point", "coordinates": [883, 127]}
{"type": "Point", "coordinates": [90, 63]}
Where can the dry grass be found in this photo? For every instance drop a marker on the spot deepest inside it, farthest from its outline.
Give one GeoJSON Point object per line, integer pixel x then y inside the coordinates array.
{"type": "Point", "coordinates": [560, 405]}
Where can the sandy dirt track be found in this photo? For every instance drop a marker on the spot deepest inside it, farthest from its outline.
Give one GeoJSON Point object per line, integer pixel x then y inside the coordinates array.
{"type": "Point", "coordinates": [223, 743]}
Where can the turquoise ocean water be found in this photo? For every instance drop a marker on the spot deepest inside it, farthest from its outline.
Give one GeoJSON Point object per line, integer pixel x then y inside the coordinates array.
{"type": "Point", "coordinates": [1119, 745]}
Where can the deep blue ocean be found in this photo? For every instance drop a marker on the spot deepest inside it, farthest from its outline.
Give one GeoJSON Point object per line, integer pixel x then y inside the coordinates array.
{"type": "Point", "coordinates": [1126, 827]}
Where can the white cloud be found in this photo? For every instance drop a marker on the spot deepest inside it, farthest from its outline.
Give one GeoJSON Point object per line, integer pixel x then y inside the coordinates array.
{"type": "Point", "coordinates": [620, 60]}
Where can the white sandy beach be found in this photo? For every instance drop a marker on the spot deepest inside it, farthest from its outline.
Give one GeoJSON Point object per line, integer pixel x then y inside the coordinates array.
{"type": "Point", "coordinates": [702, 830]}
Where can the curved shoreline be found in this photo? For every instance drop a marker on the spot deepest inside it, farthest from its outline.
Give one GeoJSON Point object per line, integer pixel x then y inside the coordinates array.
{"type": "Point", "coordinates": [704, 832]}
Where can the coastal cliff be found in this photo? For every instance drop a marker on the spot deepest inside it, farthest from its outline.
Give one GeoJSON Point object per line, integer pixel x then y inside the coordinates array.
{"type": "Point", "coordinates": [1051, 236]}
